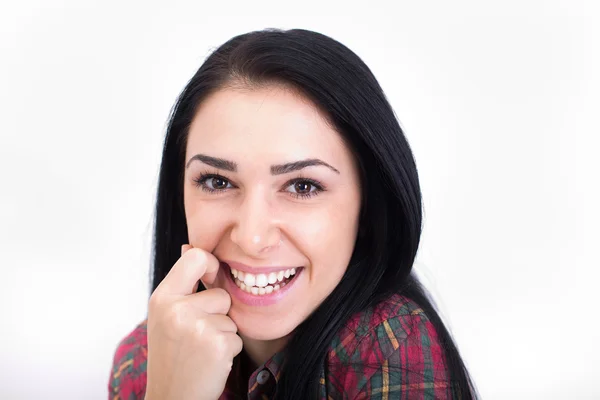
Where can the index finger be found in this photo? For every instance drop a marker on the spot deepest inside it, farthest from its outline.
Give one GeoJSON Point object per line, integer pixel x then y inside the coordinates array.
{"type": "Point", "coordinates": [193, 265]}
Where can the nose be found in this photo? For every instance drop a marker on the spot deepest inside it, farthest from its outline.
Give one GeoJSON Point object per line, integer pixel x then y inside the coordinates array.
{"type": "Point", "coordinates": [256, 229]}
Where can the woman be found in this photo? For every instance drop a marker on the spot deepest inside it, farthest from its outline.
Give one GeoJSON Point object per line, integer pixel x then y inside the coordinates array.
{"type": "Point", "coordinates": [288, 218]}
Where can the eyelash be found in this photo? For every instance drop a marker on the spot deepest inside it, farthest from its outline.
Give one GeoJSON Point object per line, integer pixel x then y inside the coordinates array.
{"type": "Point", "coordinates": [200, 182]}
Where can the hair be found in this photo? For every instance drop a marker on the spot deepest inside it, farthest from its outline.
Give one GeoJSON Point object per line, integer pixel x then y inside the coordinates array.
{"type": "Point", "coordinates": [344, 89]}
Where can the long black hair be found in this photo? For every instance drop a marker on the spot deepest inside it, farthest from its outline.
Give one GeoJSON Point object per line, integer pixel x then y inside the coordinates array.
{"type": "Point", "coordinates": [348, 95]}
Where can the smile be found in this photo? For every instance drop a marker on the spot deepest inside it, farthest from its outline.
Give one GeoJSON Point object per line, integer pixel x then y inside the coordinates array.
{"type": "Point", "coordinates": [261, 284]}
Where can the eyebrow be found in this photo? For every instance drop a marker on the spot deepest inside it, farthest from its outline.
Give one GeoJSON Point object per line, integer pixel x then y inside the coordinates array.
{"type": "Point", "coordinates": [278, 169]}
{"type": "Point", "coordinates": [298, 165]}
{"type": "Point", "coordinates": [214, 162]}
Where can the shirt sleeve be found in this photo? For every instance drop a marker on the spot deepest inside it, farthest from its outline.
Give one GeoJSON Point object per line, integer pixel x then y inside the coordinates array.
{"type": "Point", "coordinates": [408, 364]}
{"type": "Point", "coordinates": [127, 379]}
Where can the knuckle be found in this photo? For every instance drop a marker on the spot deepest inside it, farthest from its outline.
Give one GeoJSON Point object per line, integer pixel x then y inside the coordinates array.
{"type": "Point", "coordinates": [177, 315]}
{"type": "Point", "coordinates": [200, 327]}
{"type": "Point", "coordinates": [155, 301]}
{"type": "Point", "coordinates": [196, 255]}
{"type": "Point", "coordinates": [221, 345]}
{"type": "Point", "coordinates": [223, 295]}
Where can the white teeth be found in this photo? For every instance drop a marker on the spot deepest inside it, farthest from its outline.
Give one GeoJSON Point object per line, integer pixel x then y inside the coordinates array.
{"type": "Point", "coordinates": [258, 291]}
{"type": "Point", "coordinates": [261, 284]}
{"type": "Point", "coordinates": [249, 279]}
{"type": "Point", "coordinates": [272, 278]}
{"type": "Point", "coordinates": [261, 280]}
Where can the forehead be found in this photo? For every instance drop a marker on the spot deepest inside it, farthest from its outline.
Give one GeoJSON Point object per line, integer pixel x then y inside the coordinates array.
{"type": "Point", "coordinates": [267, 123]}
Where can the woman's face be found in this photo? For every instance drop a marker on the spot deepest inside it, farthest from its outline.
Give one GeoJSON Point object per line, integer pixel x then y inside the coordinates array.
{"type": "Point", "coordinates": [270, 187]}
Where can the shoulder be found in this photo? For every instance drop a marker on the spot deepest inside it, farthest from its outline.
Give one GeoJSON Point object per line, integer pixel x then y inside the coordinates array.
{"type": "Point", "coordinates": [391, 348]}
{"type": "Point", "coordinates": [128, 373]}
{"type": "Point", "coordinates": [388, 322]}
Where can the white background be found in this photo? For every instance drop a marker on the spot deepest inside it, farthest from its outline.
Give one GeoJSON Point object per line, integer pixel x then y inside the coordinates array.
{"type": "Point", "coordinates": [499, 100]}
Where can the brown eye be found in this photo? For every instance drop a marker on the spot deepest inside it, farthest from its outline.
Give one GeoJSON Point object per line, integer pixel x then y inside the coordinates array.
{"type": "Point", "coordinates": [212, 183]}
{"type": "Point", "coordinates": [218, 183]}
{"type": "Point", "coordinates": [302, 187]}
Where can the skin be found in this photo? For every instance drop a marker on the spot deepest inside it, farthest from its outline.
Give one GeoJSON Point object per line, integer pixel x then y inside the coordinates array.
{"type": "Point", "coordinates": [254, 217]}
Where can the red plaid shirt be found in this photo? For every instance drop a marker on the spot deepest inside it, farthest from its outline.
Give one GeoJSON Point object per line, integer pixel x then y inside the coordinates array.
{"type": "Point", "coordinates": [390, 351]}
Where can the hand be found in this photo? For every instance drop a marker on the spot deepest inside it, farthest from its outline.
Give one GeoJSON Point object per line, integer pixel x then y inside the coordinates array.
{"type": "Point", "coordinates": [191, 340]}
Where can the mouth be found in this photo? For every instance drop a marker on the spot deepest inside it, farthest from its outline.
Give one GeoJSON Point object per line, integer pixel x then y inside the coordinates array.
{"type": "Point", "coordinates": [261, 289]}
{"type": "Point", "coordinates": [262, 284]}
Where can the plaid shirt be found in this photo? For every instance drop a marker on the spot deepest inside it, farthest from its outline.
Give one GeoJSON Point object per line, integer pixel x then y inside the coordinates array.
{"type": "Point", "coordinates": [390, 351]}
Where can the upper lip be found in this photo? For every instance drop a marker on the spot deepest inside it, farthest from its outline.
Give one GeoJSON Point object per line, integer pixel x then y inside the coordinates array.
{"type": "Point", "coordinates": [255, 270]}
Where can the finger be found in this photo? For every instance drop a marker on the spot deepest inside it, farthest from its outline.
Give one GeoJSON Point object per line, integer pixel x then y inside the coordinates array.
{"type": "Point", "coordinates": [212, 270]}
{"type": "Point", "coordinates": [184, 248]}
{"type": "Point", "coordinates": [197, 287]}
{"type": "Point", "coordinates": [209, 276]}
{"type": "Point", "coordinates": [211, 301]}
{"type": "Point", "coordinates": [235, 343]}
{"type": "Point", "coordinates": [221, 322]}
{"type": "Point", "coordinates": [193, 265]}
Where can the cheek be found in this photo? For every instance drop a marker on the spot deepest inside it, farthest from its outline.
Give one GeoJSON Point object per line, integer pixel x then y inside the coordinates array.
{"type": "Point", "coordinates": [330, 242]}
{"type": "Point", "coordinates": [331, 257]}
{"type": "Point", "coordinates": [204, 224]}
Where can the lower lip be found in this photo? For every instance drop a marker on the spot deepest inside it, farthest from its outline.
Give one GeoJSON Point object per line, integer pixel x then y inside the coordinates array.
{"type": "Point", "coordinates": [258, 300]}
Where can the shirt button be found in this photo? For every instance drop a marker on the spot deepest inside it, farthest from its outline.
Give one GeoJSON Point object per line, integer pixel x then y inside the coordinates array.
{"type": "Point", "coordinates": [262, 377]}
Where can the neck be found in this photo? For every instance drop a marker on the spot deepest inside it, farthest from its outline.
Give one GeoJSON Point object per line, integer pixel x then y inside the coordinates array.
{"type": "Point", "coordinates": [259, 351]}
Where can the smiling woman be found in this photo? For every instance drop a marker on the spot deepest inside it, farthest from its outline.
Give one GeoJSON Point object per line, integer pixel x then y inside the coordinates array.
{"type": "Point", "coordinates": [287, 198]}
{"type": "Point", "coordinates": [288, 218]}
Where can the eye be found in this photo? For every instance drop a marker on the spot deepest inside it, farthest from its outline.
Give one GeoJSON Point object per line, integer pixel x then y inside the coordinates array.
{"type": "Point", "coordinates": [217, 183]}
{"type": "Point", "coordinates": [304, 188]}
{"type": "Point", "coordinates": [212, 183]}
{"type": "Point", "coordinates": [298, 188]}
